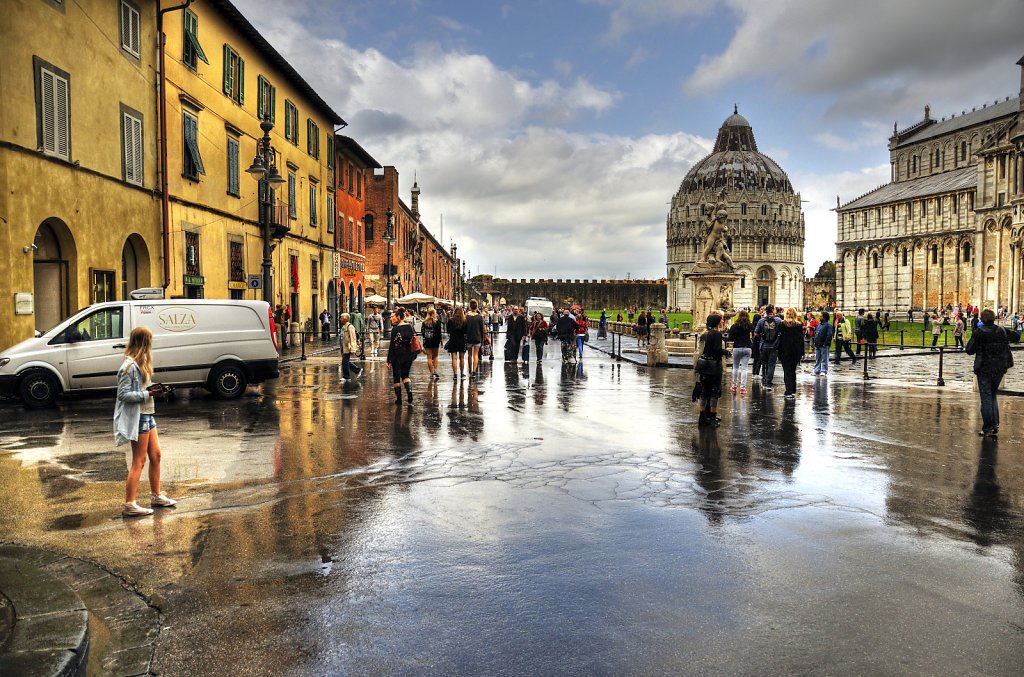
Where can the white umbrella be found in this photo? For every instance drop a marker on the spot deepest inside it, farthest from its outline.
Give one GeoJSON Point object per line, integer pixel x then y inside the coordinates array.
{"type": "Point", "coordinates": [375, 298]}
{"type": "Point", "coordinates": [417, 297]}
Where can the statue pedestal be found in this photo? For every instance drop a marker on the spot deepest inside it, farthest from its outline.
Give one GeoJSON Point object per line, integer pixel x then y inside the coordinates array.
{"type": "Point", "coordinates": [712, 290]}
{"type": "Point", "coordinates": [657, 352]}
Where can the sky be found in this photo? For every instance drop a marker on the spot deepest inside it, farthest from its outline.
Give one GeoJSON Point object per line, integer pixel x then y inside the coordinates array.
{"type": "Point", "coordinates": [549, 136]}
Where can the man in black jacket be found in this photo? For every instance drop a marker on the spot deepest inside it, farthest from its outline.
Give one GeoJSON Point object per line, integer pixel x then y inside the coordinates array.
{"type": "Point", "coordinates": [990, 346]}
{"type": "Point", "coordinates": [515, 334]}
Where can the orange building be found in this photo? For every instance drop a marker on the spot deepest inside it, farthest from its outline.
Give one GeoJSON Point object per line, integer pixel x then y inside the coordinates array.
{"type": "Point", "coordinates": [353, 166]}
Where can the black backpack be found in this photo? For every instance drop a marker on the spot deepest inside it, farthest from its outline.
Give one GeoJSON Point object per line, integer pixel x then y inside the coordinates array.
{"type": "Point", "coordinates": [769, 330]}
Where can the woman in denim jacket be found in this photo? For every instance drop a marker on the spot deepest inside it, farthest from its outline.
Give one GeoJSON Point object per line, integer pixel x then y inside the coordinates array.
{"type": "Point", "coordinates": [134, 422]}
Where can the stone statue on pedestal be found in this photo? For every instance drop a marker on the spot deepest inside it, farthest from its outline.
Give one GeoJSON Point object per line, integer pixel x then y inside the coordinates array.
{"type": "Point", "coordinates": [714, 275]}
{"type": "Point", "coordinates": [716, 256]}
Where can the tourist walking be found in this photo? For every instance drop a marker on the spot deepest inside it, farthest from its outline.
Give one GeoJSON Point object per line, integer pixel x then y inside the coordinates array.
{"type": "Point", "coordinates": [602, 325]}
{"type": "Point", "coordinates": [582, 331]}
{"type": "Point", "coordinates": [791, 350]}
{"type": "Point", "coordinates": [374, 327]}
{"type": "Point", "coordinates": [134, 421]}
{"type": "Point", "coordinates": [539, 331]}
{"type": "Point", "coordinates": [641, 329]}
{"type": "Point", "coordinates": [475, 333]}
{"type": "Point", "coordinates": [456, 345]}
{"type": "Point", "coordinates": [282, 326]}
{"type": "Point", "coordinates": [325, 325]}
{"type": "Point", "coordinates": [566, 330]}
{"type": "Point", "coordinates": [494, 317]}
{"type": "Point", "coordinates": [740, 337]}
{"type": "Point", "coordinates": [755, 348]}
{"type": "Point", "coordinates": [431, 331]}
{"type": "Point", "coordinates": [767, 334]}
{"type": "Point", "coordinates": [515, 333]}
{"type": "Point", "coordinates": [650, 323]}
{"type": "Point", "coordinates": [823, 334]}
{"type": "Point", "coordinates": [958, 330]}
{"type": "Point", "coordinates": [936, 329]}
{"type": "Point", "coordinates": [990, 345]}
{"type": "Point", "coordinates": [858, 328]}
{"type": "Point", "coordinates": [709, 372]}
{"type": "Point", "coordinates": [869, 334]}
{"type": "Point", "coordinates": [401, 354]}
{"type": "Point", "coordinates": [349, 344]}
{"type": "Point", "coordinates": [843, 335]}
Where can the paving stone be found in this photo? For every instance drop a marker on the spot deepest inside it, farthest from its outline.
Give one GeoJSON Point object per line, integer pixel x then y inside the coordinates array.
{"type": "Point", "coordinates": [54, 631]}
{"type": "Point", "coordinates": [54, 663]}
{"type": "Point", "coordinates": [30, 555]}
{"type": "Point", "coordinates": [34, 592]}
{"type": "Point", "coordinates": [129, 662]}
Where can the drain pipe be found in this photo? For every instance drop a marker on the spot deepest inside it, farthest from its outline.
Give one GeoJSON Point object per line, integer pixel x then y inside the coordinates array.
{"type": "Point", "coordinates": [165, 202]}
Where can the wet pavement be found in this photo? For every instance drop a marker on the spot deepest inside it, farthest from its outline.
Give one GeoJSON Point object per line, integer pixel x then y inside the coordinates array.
{"type": "Point", "coordinates": [566, 519]}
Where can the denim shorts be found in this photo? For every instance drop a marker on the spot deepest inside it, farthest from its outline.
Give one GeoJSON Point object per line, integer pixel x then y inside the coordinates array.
{"type": "Point", "coordinates": [146, 423]}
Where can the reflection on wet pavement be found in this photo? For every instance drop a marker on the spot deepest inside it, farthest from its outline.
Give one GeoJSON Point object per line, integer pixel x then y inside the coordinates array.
{"type": "Point", "coordinates": [551, 517]}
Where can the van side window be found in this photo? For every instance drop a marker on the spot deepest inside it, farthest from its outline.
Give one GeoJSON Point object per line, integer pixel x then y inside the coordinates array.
{"type": "Point", "coordinates": [106, 323]}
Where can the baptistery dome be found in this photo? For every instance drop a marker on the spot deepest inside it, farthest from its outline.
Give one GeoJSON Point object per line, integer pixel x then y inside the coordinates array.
{"type": "Point", "coordinates": [765, 225]}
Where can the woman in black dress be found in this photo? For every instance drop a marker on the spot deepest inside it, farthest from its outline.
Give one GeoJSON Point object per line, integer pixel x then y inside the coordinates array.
{"type": "Point", "coordinates": [400, 355]}
{"type": "Point", "coordinates": [711, 383]}
{"type": "Point", "coordinates": [791, 350]}
{"type": "Point", "coordinates": [457, 341]}
{"type": "Point", "coordinates": [869, 332]}
{"type": "Point", "coordinates": [431, 331]}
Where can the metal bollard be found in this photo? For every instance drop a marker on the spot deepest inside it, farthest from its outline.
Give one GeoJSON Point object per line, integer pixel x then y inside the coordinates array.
{"type": "Point", "coordinates": [901, 339]}
{"type": "Point", "coordinates": [865, 357]}
{"type": "Point", "coordinates": [941, 381]}
{"type": "Point", "coordinates": [302, 337]}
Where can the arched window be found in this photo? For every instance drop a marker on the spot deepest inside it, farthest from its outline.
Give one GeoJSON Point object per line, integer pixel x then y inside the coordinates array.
{"type": "Point", "coordinates": [743, 282]}
{"type": "Point", "coordinates": [904, 256]}
{"type": "Point", "coordinates": [368, 227]}
{"type": "Point", "coordinates": [938, 162]}
{"type": "Point", "coordinates": [935, 253]}
{"type": "Point", "coordinates": [967, 252]}
{"type": "Point", "coordinates": [963, 151]}
{"type": "Point", "coordinates": [764, 210]}
{"type": "Point", "coordinates": [783, 280]}
{"type": "Point", "coordinates": [914, 164]}
{"type": "Point", "coordinates": [874, 260]}
{"type": "Point", "coordinates": [762, 275]}
{"type": "Point", "coordinates": [743, 208]}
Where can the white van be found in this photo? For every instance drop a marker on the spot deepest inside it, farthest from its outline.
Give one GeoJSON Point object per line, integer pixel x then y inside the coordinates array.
{"type": "Point", "coordinates": [544, 306]}
{"type": "Point", "coordinates": [220, 345]}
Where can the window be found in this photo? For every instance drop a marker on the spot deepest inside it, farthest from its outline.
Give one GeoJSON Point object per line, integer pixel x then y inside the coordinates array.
{"type": "Point", "coordinates": [359, 184]}
{"type": "Point", "coordinates": [924, 209]}
{"type": "Point", "coordinates": [967, 252]}
{"type": "Point", "coordinates": [192, 165]}
{"type": "Point", "coordinates": [266, 100]}
{"type": "Point", "coordinates": [191, 50]}
{"type": "Point", "coordinates": [312, 203]}
{"type": "Point", "coordinates": [874, 260]}
{"type": "Point", "coordinates": [914, 164]}
{"type": "Point", "coordinates": [359, 237]}
{"type": "Point", "coordinates": [764, 246]}
{"type": "Point", "coordinates": [131, 146]}
{"type": "Point", "coordinates": [107, 323]}
{"type": "Point", "coordinates": [955, 205]}
{"type": "Point", "coordinates": [313, 138]}
{"type": "Point", "coordinates": [234, 75]}
{"type": "Point", "coordinates": [743, 282]}
{"type": "Point", "coordinates": [743, 208]}
{"type": "Point", "coordinates": [314, 281]}
{"type": "Point", "coordinates": [935, 254]}
{"type": "Point", "coordinates": [330, 211]}
{"type": "Point", "coordinates": [350, 233]}
{"type": "Point", "coordinates": [368, 227]}
{"type": "Point", "coordinates": [291, 122]}
{"type": "Point", "coordinates": [963, 151]}
{"type": "Point", "coordinates": [938, 206]}
{"type": "Point", "coordinates": [904, 256]}
{"type": "Point", "coordinates": [291, 196]}
{"type": "Point", "coordinates": [1002, 166]}
{"type": "Point", "coordinates": [53, 109]}
{"type": "Point", "coordinates": [236, 261]}
{"type": "Point", "coordinates": [351, 178]}
{"type": "Point", "coordinates": [192, 262]}
{"type": "Point", "coordinates": [102, 288]}
{"type": "Point", "coordinates": [233, 166]}
{"type": "Point", "coordinates": [764, 210]}
{"type": "Point", "coordinates": [910, 210]}
{"type": "Point", "coordinates": [330, 151]}
{"type": "Point", "coordinates": [892, 213]}
{"type": "Point", "coordinates": [938, 164]}
{"type": "Point", "coordinates": [130, 28]}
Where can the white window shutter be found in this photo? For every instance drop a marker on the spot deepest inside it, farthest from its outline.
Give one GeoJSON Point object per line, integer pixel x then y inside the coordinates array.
{"type": "Point", "coordinates": [129, 148]}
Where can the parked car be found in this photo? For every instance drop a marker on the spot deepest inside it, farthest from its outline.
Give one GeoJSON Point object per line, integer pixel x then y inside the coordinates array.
{"type": "Point", "coordinates": [221, 345]}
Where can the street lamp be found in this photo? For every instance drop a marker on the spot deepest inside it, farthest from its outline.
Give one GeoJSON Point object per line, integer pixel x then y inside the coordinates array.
{"type": "Point", "coordinates": [455, 273]}
{"type": "Point", "coordinates": [389, 237]}
{"type": "Point", "coordinates": [264, 170]}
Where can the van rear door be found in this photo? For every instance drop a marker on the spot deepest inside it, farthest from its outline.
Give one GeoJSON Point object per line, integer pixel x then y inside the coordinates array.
{"type": "Point", "coordinates": [95, 348]}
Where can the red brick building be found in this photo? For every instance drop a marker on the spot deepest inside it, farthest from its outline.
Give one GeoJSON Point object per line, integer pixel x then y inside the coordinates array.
{"type": "Point", "coordinates": [419, 262]}
{"type": "Point", "coordinates": [353, 168]}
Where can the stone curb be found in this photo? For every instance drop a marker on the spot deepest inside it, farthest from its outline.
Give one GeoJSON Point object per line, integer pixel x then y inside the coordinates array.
{"type": "Point", "coordinates": [53, 597]}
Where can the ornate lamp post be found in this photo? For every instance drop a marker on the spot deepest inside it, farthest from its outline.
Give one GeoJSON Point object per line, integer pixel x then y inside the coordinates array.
{"type": "Point", "coordinates": [389, 237]}
{"type": "Point", "coordinates": [455, 274]}
{"type": "Point", "coordinates": [264, 170]}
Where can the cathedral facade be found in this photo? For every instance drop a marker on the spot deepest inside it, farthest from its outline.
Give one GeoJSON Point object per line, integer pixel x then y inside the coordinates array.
{"type": "Point", "coordinates": [765, 224]}
{"type": "Point", "coordinates": [948, 228]}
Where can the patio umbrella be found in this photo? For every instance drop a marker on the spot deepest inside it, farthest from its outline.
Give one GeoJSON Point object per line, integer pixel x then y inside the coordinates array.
{"type": "Point", "coordinates": [375, 298]}
{"type": "Point", "coordinates": [417, 297]}
{"type": "Point", "coordinates": [575, 308]}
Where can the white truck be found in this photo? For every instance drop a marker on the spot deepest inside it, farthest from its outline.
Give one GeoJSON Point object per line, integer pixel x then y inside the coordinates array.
{"type": "Point", "coordinates": [538, 304]}
{"type": "Point", "coordinates": [221, 345]}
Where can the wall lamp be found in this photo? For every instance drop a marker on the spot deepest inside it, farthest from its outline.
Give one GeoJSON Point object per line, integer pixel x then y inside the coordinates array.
{"type": "Point", "coordinates": [30, 248]}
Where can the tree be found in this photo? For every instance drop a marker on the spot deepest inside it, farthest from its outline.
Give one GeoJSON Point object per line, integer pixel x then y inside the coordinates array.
{"type": "Point", "coordinates": [827, 271]}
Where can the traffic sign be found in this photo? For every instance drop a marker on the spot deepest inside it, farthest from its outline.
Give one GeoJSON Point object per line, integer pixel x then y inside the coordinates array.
{"type": "Point", "coordinates": [255, 282]}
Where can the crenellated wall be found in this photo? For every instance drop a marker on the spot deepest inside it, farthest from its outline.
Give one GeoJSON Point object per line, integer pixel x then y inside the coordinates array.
{"type": "Point", "coordinates": [589, 294]}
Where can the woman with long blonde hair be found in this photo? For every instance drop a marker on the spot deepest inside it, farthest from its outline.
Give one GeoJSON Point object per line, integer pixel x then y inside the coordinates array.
{"type": "Point", "coordinates": [134, 421]}
{"type": "Point", "coordinates": [791, 350]}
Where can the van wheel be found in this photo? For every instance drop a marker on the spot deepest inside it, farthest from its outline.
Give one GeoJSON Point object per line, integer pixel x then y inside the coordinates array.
{"type": "Point", "coordinates": [228, 381]}
{"type": "Point", "coordinates": [39, 388]}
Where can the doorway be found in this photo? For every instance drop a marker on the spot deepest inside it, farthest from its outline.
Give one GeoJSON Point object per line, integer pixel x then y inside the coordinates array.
{"type": "Point", "coordinates": [762, 295]}
{"type": "Point", "coordinates": [51, 275]}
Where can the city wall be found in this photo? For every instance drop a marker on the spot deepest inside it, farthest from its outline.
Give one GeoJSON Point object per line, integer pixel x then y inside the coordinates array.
{"type": "Point", "coordinates": [589, 294]}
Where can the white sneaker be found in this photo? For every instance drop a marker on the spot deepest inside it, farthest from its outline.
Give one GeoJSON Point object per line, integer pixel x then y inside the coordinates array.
{"type": "Point", "coordinates": [133, 509]}
{"type": "Point", "coordinates": [161, 501]}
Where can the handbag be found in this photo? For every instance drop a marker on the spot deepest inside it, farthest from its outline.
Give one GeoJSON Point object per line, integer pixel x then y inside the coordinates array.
{"type": "Point", "coordinates": [415, 347]}
{"type": "Point", "coordinates": [706, 366]}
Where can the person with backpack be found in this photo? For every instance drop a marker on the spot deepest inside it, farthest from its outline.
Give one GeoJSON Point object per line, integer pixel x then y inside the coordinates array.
{"type": "Point", "coordinates": [401, 353]}
{"type": "Point", "coordinates": [767, 335]}
{"type": "Point", "coordinates": [349, 345]}
{"type": "Point", "coordinates": [990, 345]}
{"type": "Point", "coordinates": [823, 334]}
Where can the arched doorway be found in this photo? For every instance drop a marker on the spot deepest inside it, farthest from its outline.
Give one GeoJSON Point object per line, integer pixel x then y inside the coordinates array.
{"type": "Point", "coordinates": [53, 274]}
{"type": "Point", "coordinates": [765, 283]}
{"type": "Point", "coordinates": [359, 290]}
{"type": "Point", "coordinates": [352, 297]}
{"type": "Point", "coordinates": [134, 265]}
{"type": "Point", "coordinates": [332, 303]}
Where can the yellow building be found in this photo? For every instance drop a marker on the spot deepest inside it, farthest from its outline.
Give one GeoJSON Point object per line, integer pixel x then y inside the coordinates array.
{"type": "Point", "coordinates": [223, 78]}
{"type": "Point", "coordinates": [79, 212]}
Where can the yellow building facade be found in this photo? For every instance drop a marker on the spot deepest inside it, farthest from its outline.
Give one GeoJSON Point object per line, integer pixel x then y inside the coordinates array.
{"type": "Point", "coordinates": [222, 79]}
{"type": "Point", "coordinates": [79, 211]}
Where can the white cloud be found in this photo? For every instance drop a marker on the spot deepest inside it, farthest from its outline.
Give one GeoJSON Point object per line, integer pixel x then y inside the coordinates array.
{"type": "Point", "coordinates": [819, 191]}
{"type": "Point", "coordinates": [627, 16]}
{"type": "Point", "coordinates": [640, 54]}
{"type": "Point", "coordinates": [873, 136]}
{"type": "Point", "coordinates": [875, 57]}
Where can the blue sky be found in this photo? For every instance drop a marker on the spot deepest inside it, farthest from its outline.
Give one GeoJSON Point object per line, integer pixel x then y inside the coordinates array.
{"type": "Point", "coordinates": [551, 136]}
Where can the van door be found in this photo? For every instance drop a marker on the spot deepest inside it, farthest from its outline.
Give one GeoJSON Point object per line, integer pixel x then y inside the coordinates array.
{"type": "Point", "coordinates": [95, 348]}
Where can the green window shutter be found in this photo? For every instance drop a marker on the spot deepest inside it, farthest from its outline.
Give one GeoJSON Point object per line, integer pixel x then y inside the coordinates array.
{"type": "Point", "coordinates": [309, 135]}
{"type": "Point", "coordinates": [259, 97]}
{"type": "Point", "coordinates": [233, 167]}
{"type": "Point", "coordinates": [227, 69]}
{"type": "Point", "coordinates": [291, 196]}
{"type": "Point", "coordinates": [287, 121]}
{"type": "Point", "coordinates": [241, 81]}
{"type": "Point", "coordinates": [273, 104]}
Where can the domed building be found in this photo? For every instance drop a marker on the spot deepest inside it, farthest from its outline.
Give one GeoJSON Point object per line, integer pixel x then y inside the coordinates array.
{"type": "Point", "coordinates": [765, 226]}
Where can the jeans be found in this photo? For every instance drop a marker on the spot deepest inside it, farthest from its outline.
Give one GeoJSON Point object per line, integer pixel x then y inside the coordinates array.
{"type": "Point", "coordinates": [740, 359]}
{"type": "Point", "coordinates": [820, 359]}
{"type": "Point", "coordinates": [325, 332]}
{"type": "Point", "coordinates": [347, 366]}
{"type": "Point", "coordinates": [989, 407]}
{"type": "Point", "coordinates": [935, 340]}
{"type": "Point", "coordinates": [960, 341]}
{"type": "Point", "coordinates": [540, 349]}
{"type": "Point", "coordinates": [579, 344]}
{"type": "Point", "coordinates": [769, 356]}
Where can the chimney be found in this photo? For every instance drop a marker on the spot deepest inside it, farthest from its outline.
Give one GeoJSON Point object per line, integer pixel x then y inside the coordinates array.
{"type": "Point", "coordinates": [415, 200]}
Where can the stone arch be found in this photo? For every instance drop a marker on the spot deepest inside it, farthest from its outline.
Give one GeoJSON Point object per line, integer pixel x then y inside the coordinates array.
{"type": "Point", "coordinates": [764, 286]}
{"type": "Point", "coordinates": [54, 273]}
{"type": "Point", "coordinates": [350, 307]}
{"type": "Point", "coordinates": [135, 265]}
